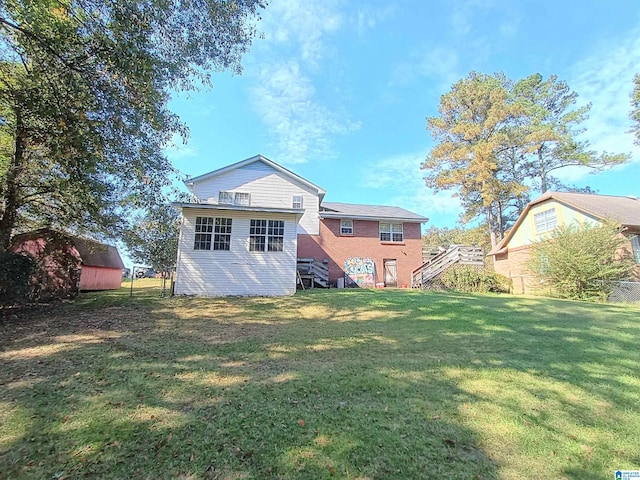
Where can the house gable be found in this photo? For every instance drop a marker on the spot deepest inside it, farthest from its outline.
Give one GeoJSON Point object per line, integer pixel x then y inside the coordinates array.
{"type": "Point", "coordinates": [512, 253]}
{"type": "Point", "coordinates": [264, 184]}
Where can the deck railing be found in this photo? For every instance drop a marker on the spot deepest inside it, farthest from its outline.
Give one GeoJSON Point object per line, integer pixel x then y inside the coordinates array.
{"type": "Point", "coordinates": [314, 272]}
{"type": "Point", "coordinates": [429, 271]}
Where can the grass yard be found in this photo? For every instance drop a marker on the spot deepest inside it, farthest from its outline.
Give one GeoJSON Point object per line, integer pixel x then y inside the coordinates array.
{"type": "Point", "coordinates": [353, 384]}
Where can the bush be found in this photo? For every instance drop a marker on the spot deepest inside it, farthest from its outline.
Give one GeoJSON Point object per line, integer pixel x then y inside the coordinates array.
{"type": "Point", "coordinates": [16, 271]}
{"type": "Point", "coordinates": [470, 279]}
{"type": "Point", "coordinates": [580, 262]}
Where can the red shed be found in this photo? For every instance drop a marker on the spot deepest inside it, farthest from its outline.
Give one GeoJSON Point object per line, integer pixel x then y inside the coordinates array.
{"type": "Point", "coordinates": [67, 263]}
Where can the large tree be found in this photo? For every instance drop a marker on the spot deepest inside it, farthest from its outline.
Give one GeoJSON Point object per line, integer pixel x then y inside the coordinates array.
{"type": "Point", "coordinates": [84, 86]}
{"type": "Point", "coordinates": [635, 111]}
{"type": "Point", "coordinates": [550, 136]}
{"type": "Point", "coordinates": [471, 131]}
{"type": "Point", "coordinates": [499, 140]}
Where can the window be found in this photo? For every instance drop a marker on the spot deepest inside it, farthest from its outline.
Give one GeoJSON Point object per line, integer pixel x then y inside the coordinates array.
{"type": "Point", "coordinates": [545, 220]}
{"type": "Point", "coordinates": [234, 198]}
{"type": "Point", "coordinates": [204, 229]}
{"type": "Point", "coordinates": [346, 227]}
{"type": "Point", "coordinates": [391, 232]}
{"type": "Point", "coordinates": [242, 198]}
{"type": "Point", "coordinates": [225, 197]}
{"type": "Point", "coordinates": [222, 234]}
{"type": "Point", "coordinates": [297, 201]}
{"type": "Point", "coordinates": [275, 238]}
{"type": "Point", "coordinates": [266, 236]}
{"type": "Point", "coordinates": [635, 246]}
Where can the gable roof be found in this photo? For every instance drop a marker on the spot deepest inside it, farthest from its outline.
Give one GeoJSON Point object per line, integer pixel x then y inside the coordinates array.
{"type": "Point", "coordinates": [258, 158]}
{"type": "Point", "coordinates": [92, 253]}
{"type": "Point", "coordinates": [625, 210]}
{"type": "Point", "coordinates": [96, 254]}
{"type": "Point", "coordinates": [368, 212]}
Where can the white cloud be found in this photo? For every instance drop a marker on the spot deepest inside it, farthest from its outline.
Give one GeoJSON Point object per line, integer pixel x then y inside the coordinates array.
{"type": "Point", "coordinates": [605, 79]}
{"type": "Point", "coordinates": [402, 174]}
{"type": "Point", "coordinates": [440, 63]}
{"type": "Point", "coordinates": [301, 26]}
{"type": "Point", "coordinates": [286, 104]}
{"type": "Point", "coordinates": [368, 17]}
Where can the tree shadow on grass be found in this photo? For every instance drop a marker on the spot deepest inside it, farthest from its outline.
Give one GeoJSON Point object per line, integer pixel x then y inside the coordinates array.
{"type": "Point", "coordinates": [353, 385]}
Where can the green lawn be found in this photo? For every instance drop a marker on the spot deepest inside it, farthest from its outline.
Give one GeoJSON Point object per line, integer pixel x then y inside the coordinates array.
{"type": "Point", "coordinates": [355, 384]}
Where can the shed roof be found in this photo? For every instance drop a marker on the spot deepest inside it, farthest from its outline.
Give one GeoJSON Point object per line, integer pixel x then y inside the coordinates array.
{"type": "Point", "coordinates": [96, 254]}
{"type": "Point", "coordinates": [368, 212]}
{"type": "Point", "coordinates": [92, 253]}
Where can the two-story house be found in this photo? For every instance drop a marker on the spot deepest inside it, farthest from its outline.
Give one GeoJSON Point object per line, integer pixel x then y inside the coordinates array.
{"type": "Point", "coordinates": [541, 216]}
{"type": "Point", "coordinates": [248, 223]}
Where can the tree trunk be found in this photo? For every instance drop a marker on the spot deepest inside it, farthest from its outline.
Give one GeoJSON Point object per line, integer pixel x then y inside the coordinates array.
{"type": "Point", "coordinates": [543, 173]}
{"type": "Point", "coordinates": [11, 200]}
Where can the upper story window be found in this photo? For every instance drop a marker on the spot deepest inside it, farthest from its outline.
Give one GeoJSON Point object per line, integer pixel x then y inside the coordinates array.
{"type": "Point", "coordinates": [545, 221]}
{"type": "Point", "coordinates": [346, 227]}
{"type": "Point", "coordinates": [225, 197]}
{"type": "Point", "coordinates": [214, 232]}
{"type": "Point", "coordinates": [266, 236]}
{"type": "Point", "coordinates": [391, 232]}
{"type": "Point", "coordinates": [635, 246]}
{"type": "Point", "coordinates": [234, 198]}
{"type": "Point", "coordinates": [204, 231]}
{"type": "Point", "coordinates": [242, 198]}
{"type": "Point", "coordinates": [297, 202]}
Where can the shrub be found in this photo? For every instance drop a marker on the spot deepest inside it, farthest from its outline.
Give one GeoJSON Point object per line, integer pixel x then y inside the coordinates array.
{"type": "Point", "coordinates": [470, 279]}
{"type": "Point", "coordinates": [580, 262]}
{"type": "Point", "coordinates": [16, 271]}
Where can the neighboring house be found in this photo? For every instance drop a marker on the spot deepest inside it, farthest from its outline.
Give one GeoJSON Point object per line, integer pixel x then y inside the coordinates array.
{"type": "Point", "coordinates": [249, 222]}
{"type": "Point", "coordinates": [67, 263]}
{"type": "Point", "coordinates": [543, 215]}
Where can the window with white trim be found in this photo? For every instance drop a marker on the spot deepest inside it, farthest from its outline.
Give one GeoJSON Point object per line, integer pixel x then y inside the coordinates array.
{"type": "Point", "coordinates": [225, 197]}
{"type": "Point", "coordinates": [222, 234]}
{"type": "Point", "coordinates": [242, 198]}
{"type": "Point", "coordinates": [297, 202]}
{"type": "Point", "coordinates": [545, 221]}
{"type": "Point", "coordinates": [391, 232]}
{"type": "Point", "coordinates": [346, 227]}
{"type": "Point", "coordinates": [266, 236]}
{"type": "Point", "coordinates": [635, 247]}
{"type": "Point", "coordinates": [204, 231]}
{"type": "Point", "coordinates": [234, 198]}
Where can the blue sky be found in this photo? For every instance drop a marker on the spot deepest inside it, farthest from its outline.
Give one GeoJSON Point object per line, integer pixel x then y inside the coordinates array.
{"type": "Point", "coordinates": [339, 91]}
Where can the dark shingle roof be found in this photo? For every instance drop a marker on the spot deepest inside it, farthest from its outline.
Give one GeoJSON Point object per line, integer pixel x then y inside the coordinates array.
{"type": "Point", "coordinates": [96, 254]}
{"type": "Point", "coordinates": [625, 210]}
{"type": "Point", "coordinates": [374, 212]}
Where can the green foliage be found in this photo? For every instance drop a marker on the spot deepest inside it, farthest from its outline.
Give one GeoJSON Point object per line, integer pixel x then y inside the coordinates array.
{"type": "Point", "coordinates": [579, 262]}
{"type": "Point", "coordinates": [15, 277]}
{"type": "Point", "coordinates": [154, 238]}
{"type": "Point", "coordinates": [445, 237]}
{"type": "Point", "coordinates": [471, 279]}
{"type": "Point", "coordinates": [496, 139]}
{"type": "Point", "coordinates": [635, 111]}
{"type": "Point", "coordinates": [84, 91]}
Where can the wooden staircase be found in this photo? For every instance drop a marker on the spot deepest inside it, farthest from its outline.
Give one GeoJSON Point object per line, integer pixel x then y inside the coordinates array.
{"type": "Point", "coordinates": [312, 273]}
{"type": "Point", "coordinates": [429, 271]}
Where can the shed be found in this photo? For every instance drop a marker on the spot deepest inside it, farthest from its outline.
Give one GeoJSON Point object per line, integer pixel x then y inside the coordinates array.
{"type": "Point", "coordinates": [67, 263]}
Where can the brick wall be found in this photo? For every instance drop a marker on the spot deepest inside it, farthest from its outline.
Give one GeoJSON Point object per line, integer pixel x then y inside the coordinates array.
{"type": "Point", "coordinates": [513, 265]}
{"type": "Point", "coordinates": [365, 242]}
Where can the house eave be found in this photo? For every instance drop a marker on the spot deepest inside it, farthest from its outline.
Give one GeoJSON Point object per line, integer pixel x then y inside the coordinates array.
{"type": "Point", "coordinates": [373, 218]}
{"type": "Point", "coordinates": [237, 208]}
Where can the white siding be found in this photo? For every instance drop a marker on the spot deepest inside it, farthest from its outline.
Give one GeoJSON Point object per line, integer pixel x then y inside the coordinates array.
{"type": "Point", "coordinates": [237, 271]}
{"type": "Point", "coordinates": [268, 188]}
